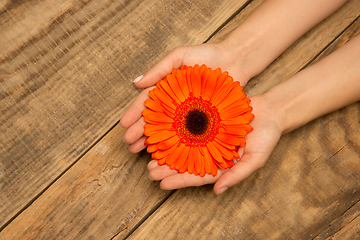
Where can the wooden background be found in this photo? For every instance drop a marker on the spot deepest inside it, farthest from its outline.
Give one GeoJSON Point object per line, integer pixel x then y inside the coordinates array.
{"type": "Point", "coordinates": [66, 71]}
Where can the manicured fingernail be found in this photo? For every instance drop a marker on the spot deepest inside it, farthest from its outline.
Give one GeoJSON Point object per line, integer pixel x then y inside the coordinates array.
{"type": "Point", "coordinates": [222, 190]}
{"type": "Point", "coordinates": [138, 79]}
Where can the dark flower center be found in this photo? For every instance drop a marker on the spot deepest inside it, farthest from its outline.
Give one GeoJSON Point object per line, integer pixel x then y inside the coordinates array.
{"type": "Point", "coordinates": [196, 122]}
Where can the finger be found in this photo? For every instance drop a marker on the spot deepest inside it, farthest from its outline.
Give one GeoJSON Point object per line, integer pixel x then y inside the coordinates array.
{"type": "Point", "coordinates": [135, 132]}
{"type": "Point", "coordinates": [161, 172]}
{"type": "Point", "coordinates": [182, 180]}
{"type": "Point", "coordinates": [133, 113]}
{"type": "Point", "coordinates": [152, 164]}
{"type": "Point", "coordinates": [138, 145]}
{"type": "Point", "coordinates": [173, 60]}
{"type": "Point", "coordinates": [247, 165]}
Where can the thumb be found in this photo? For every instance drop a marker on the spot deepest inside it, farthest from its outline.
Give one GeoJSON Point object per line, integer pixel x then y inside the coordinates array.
{"type": "Point", "coordinates": [247, 165]}
{"type": "Point", "coordinates": [157, 72]}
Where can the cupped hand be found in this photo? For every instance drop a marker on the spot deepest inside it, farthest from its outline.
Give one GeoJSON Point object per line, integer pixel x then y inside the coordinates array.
{"type": "Point", "coordinates": [213, 55]}
{"type": "Point", "coordinates": [259, 145]}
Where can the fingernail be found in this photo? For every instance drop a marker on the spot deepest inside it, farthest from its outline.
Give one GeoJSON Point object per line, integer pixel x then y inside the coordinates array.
{"type": "Point", "coordinates": [138, 79]}
{"type": "Point", "coordinates": [150, 177]}
{"type": "Point", "coordinates": [222, 190]}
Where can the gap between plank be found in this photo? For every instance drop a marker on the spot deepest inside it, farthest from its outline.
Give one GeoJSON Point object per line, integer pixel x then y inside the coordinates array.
{"type": "Point", "coordinates": [228, 20]}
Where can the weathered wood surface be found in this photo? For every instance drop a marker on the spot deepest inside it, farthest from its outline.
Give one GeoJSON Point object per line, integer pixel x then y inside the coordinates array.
{"type": "Point", "coordinates": [66, 71]}
{"type": "Point", "coordinates": [308, 188]}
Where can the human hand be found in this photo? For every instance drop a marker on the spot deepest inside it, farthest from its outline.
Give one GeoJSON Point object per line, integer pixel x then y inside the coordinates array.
{"type": "Point", "coordinates": [212, 55]}
{"type": "Point", "coordinates": [259, 145]}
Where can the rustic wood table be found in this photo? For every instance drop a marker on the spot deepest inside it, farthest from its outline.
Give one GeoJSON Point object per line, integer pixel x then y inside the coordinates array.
{"type": "Point", "coordinates": [65, 173]}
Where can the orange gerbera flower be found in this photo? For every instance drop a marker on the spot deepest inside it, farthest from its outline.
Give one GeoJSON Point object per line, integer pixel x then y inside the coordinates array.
{"type": "Point", "coordinates": [196, 120]}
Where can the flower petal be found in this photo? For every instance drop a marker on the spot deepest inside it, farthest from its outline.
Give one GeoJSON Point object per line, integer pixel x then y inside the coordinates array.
{"type": "Point", "coordinates": [227, 138]}
{"type": "Point", "coordinates": [168, 143]}
{"type": "Point", "coordinates": [226, 153]}
{"type": "Point", "coordinates": [210, 85]}
{"type": "Point", "coordinates": [160, 136]}
{"type": "Point", "coordinates": [223, 91]}
{"type": "Point", "coordinates": [153, 105]}
{"type": "Point", "coordinates": [165, 85]}
{"type": "Point", "coordinates": [191, 160]}
{"type": "Point", "coordinates": [214, 152]}
{"type": "Point", "coordinates": [196, 80]}
{"type": "Point", "coordinates": [164, 98]}
{"type": "Point", "coordinates": [152, 148]}
{"type": "Point", "coordinates": [174, 84]}
{"type": "Point", "coordinates": [174, 156]}
{"type": "Point", "coordinates": [180, 76]}
{"type": "Point", "coordinates": [245, 118]}
{"type": "Point", "coordinates": [199, 162]}
{"type": "Point", "coordinates": [162, 153]}
{"type": "Point", "coordinates": [154, 117]}
{"type": "Point", "coordinates": [153, 128]}
{"type": "Point", "coordinates": [183, 159]}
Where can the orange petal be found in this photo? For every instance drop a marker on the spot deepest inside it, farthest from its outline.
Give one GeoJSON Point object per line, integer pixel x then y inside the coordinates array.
{"type": "Point", "coordinates": [152, 148]}
{"type": "Point", "coordinates": [159, 154]}
{"type": "Point", "coordinates": [153, 128]}
{"type": "Point", "coordinates": [182, 83]}
{"type": "Point", "coordinates": [227, 138]}
{"type": "Point", "coordinates": [234, 109]}
{"type": "Point", "coordinates": [235, 130]}
{"type": "Point", "coordinates": [222, 77]}
{"type": "Point", "coordinates": [208, 161]}
{"type": "Point", "coordinates": [183, 160]}
{"type": "Point", "coordinates": [174, 156]}
{"type": "Point", "coordinates": [237, 112]}
{"type": "Point", "coordinates": [153, 105]}
{"type": "Point", "coordinates": [214, 152]}
{"type": "Point", "coordinates": [245, 118]}
{"type": "Point", "coordinates": [226, 153]}
{"type": "Point", "coordinates": [160, 136]}
{"type": "Point", "coordinates": [214, 169]}
{"type": "Point", "coordinates": [210, 85]}
{"type": "Point", "coordinates": [191, 160]}
{"type": "Point", "coordinates": [184, 167]}
{"type": "Point", "coordinates": [228, 146]}
{"type": "Point", "coordinates": [168, 143]}
{"type": "Point", "coordinates": [174, 84]}
{"type": "Point", "coordinates": [199, 162]}
{"type": "Point", "coordinates": [165, 85]}
{"type": "Point", "coordinates": [161, 161]}
{"type": "Point", "coordinates": [196, 80]}
{"type": "Point", "coordinates": [164, 98]}
{"type": "Point", "coordinates": [188, 79]}
{"type": "Point", "coordinates": [223, 91]}
{"type": "Point", "coordinates": [234, 96]}
{"type": "Point", "coordinates": [157, 117]}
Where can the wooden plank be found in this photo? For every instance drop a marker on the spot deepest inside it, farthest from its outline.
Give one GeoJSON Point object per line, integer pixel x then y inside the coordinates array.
{"type": "Point", "coordinates": [310, 180]}
{"type": "Point", "coordinates": [64, 84]}
{"type": "Point", "coordinates": [98, 198]}
{"type": "Point", "coordinates": [350, 231]}
{"type": "Point", "coordinates": [343, 225]}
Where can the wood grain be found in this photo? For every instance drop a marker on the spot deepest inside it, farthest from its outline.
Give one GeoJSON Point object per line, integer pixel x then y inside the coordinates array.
{"type": "Point", "coordinates": [66, 71]}
{"type": "Point", "coordinates": [343, 225]}
{"type": "Point", "coordinates": [310, 181]}
{"type": "Point", "coordinates": [106, 193]}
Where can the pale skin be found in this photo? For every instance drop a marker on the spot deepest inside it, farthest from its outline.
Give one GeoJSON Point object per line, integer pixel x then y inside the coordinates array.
{"type": "Point", "coordinates": [326, 86]}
